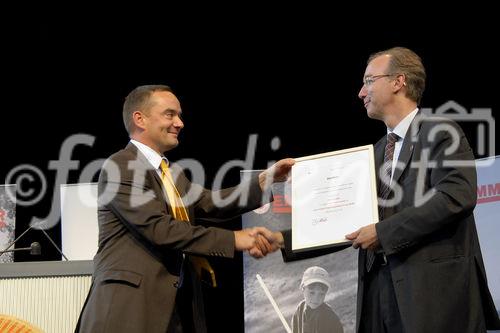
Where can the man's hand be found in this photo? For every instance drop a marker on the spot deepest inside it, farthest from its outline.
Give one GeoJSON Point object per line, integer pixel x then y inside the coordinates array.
{"type": "Point", "coordinates": [266, 242]}
{"type": "Point", "coordinates": [244, 239]}
{"type": "Point", "coordinates": [278, 172]}
{"type": "Point", "coordinates": [365, 237]}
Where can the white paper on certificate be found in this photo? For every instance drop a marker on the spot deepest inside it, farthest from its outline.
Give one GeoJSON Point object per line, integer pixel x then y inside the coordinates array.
{"type": "Point", "coordinates": [333, 194]}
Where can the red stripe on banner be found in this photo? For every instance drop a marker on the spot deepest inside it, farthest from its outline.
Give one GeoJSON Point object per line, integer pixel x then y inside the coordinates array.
{"type": "Point", "coordinates": [285, 209]}
{"type": "Point", "coordinates": [488, 199]}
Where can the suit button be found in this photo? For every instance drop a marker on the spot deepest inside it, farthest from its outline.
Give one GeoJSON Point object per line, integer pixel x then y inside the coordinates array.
{"type": "Point", "coordinates": [176, 284]}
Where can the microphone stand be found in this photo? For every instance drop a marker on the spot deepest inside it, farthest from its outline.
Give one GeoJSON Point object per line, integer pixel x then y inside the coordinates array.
{"type": "Point", "coordinates": [53, 243]}
{"type": "Point", "coordinates": [34, 249]}
{"type": "Point", "coordinates": [25, 231]}
{"type": "Point", "coordinates": [14, 241]}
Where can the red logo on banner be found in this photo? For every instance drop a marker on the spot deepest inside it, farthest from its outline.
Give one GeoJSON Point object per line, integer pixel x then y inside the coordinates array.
{"type": "Point", "coordinates": [280, 204]}
{"type": "Point", "coordinates": [488, 193]}
{"type": "Point", "coordinates": [2, 222]}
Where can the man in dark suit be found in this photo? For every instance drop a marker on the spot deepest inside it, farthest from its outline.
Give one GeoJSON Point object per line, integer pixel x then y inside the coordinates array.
{"type": "Point", "coordinates": [144, 279]}
{"type": "Point", "coordinates": [420, 267]}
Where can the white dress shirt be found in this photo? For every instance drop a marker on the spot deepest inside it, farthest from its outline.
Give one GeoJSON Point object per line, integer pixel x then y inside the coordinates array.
{"type": "Point", "coordinates": [152, 156]}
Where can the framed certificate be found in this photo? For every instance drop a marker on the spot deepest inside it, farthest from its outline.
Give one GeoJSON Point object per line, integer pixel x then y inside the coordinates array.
{"type": "Point", "coordinates": [333, 194]}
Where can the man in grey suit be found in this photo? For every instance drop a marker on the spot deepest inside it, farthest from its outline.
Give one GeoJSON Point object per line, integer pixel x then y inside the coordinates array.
{"type": "Point", "coordinates": [144, 279]}
{"type": "Point", "coordinates": [420, 267]}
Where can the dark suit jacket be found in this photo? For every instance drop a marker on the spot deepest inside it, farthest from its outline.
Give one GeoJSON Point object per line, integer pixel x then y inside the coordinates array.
{"type": "Point", "coordinates": [432, 246]}
{"type": "Point", "coordinates": [141, 246]}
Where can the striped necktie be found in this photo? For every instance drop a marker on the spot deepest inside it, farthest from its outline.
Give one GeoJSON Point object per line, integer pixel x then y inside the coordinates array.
{"type": "Point", "coordinates": [384, 189]}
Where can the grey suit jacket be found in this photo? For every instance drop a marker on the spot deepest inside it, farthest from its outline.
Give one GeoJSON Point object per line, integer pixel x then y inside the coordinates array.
{"type": "Point", "coordinates": [141, 246]}
{"type": "Point", "coordinates": [432, 246]}
{"type": "Point", "coordinates": [431, 243]}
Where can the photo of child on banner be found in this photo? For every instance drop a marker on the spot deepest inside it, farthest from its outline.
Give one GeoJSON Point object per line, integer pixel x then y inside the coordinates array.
{"type": "Point", "coordinates": [275, 291]}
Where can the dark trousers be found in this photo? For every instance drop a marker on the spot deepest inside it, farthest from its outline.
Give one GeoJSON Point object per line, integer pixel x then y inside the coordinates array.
{"type": "Point", "coordinates": [175, 324]}
{"type": "Point", "coordinates": [181, 320]}
{"type": "Point", "coordinates": [189, 314]}
{"type": "Point", "coordinates": [380, 312]}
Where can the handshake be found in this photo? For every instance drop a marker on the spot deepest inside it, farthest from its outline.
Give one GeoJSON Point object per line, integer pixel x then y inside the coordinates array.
{"type": "Point", "coordinates": [258, 241]}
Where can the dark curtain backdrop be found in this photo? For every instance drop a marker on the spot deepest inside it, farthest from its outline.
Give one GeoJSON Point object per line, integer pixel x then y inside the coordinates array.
{"type": "Point", "coordinates": [292, 77]}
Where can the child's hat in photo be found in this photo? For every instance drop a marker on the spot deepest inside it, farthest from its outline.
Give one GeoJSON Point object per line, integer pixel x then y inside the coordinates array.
{"type": "Point", "coordinates": [315, 274]}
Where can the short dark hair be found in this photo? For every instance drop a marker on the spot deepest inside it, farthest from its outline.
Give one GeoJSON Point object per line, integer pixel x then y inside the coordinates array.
{"type": "Point", "coordinates": [405, 61]}
{"type": "Point", "coordinates": [138, 99]}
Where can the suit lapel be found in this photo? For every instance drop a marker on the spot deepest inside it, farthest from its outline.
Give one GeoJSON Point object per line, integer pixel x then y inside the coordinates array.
{"type": "Point", "coordinates": [404, 157]}
{"type": "Point", "coordinates": [407, 148]}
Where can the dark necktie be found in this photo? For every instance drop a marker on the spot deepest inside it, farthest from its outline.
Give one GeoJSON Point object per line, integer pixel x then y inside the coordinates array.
{"type": "Point", "coordinates": [384, 189]}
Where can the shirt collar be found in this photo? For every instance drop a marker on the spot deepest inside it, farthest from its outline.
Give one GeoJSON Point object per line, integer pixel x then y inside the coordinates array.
{"type": "Point", "coordinates": [403, 125]}
{"type": "Point", "coordinates": [152, 156]}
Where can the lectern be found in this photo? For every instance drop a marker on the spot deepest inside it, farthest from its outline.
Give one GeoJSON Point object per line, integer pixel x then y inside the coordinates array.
{"type": "Point", "coordinates": [47, 294]}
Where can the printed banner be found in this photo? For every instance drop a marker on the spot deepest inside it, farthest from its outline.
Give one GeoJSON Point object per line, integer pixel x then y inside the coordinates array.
{"type": "Point", "coordinates": [7, 220]}
{"type": "Point", "coordinates": [276, 292]}
{"type": "Point", "coordinates": [487, 221]}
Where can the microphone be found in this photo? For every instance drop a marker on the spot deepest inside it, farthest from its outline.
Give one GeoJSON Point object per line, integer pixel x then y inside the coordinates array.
{"type": "Point", "coordinates": [35, 249]}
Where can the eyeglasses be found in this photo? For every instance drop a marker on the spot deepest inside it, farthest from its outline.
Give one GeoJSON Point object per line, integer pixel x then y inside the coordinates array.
{"type": "Point", "coordinates": [368, 81]}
